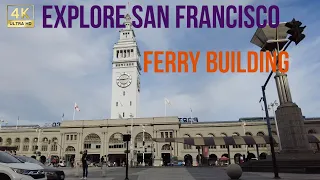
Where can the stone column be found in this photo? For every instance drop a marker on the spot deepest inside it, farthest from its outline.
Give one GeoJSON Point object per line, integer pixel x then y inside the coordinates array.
{"type": "Point", "coordinates": [291, 128]}
{"type": "Point", "coordinates": [289, 118]}
{"type": "Point", "coordinates": [102, 144]}
{"type": "Point", "coordinates": [283, 89]}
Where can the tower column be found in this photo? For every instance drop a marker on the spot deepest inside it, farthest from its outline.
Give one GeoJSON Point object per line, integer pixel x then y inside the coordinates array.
{"type": "Point", "coordinates": [125, 74]}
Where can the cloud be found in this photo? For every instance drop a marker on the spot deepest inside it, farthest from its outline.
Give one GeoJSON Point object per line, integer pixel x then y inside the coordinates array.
{"type": "Point", "coordinates": [44, 71]}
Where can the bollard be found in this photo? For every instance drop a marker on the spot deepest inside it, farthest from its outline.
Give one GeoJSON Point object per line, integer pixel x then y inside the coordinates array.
{"type": "Point", "coordinates": [234, 171]}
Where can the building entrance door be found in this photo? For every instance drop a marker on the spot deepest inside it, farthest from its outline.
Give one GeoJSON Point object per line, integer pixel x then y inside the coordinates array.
{"type": "Point", "coordinates": [165, 158]}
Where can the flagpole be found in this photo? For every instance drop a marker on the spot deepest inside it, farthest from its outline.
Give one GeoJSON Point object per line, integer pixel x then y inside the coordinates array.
{"type": "Point", "coordinates": [74, 111]}
{"type": "Point", "coordinates": [165, 108]}
{"type": "Point", "coordinates": [17, 122]}
{"type": "Point", "coordinates": [191, 114]}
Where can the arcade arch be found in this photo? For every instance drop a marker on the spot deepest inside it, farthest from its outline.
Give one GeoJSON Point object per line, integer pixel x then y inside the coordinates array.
{"type": "Point", "coordinates": [116, 141]}
{"type": "Point", "coordinates": [237, 158]}
{"type": "Point", "coordinates": [70, 153]}
{"type": "Point", "coordinates": [138, 140]}
{"type": "Point", "coordinates": [188, 160]}
{"type": "Point", "coordinates": [92, 141]}
{"type": "Point", "coordinates": [263, 156]}
{"type": "Point", "coordinates": [212, 159]}
{"type": "Point", "coordinates": [8, 141]}
{"type": "Point", "coordinates": [26, 145]}
{"type": "Point", "coordinates": [147, 148]}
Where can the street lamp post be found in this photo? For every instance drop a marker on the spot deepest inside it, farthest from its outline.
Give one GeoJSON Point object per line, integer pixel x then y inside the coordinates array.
{"type": "Point", "coordinates": [273, 40]}
{"type": "Point", "coordinates": [131, 141]}
{"type": "Point", "coordinates": [127, 138]}
{"type": "Point", "coordinates": [39, 131]}
{"type": "Point", "coordinates": [143, 144]}
{"type": "Point", "coordinates": [244, 133]}
{"type": "Point", "coordinates": [273, 105]}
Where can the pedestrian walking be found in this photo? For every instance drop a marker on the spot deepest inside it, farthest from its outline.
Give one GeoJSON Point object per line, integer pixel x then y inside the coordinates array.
{"type": "Point", "coordinates": [101, 161]}
{"type": "Point", "coordinates": [84, 165]}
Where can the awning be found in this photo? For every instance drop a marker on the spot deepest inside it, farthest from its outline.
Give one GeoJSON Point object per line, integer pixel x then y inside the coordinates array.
{"type": "Point", "coordinates": [314, 138]}
{"type": "Point", "coordinates": [8, 148]}
{"type": "Point", "coordinates": [233, 140]}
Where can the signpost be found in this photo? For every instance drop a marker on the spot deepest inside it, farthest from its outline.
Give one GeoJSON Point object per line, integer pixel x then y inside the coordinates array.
{"type": "Point", "coordinates": [188, 120]}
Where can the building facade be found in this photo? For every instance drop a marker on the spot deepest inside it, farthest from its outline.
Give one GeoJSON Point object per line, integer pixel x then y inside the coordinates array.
{"type": "Point", "coordinates": [104, 138]}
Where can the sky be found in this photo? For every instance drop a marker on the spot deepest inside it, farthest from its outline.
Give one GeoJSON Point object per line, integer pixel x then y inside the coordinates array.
{"type": "Point", "coordinates": [43, 72]}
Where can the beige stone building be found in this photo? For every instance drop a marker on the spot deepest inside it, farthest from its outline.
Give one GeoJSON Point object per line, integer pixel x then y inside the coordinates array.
{"type": "Point", "coordinates": [104, 137]}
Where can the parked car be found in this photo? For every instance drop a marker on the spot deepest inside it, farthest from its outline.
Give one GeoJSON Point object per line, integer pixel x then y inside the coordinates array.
{"type": "Point", "coordinates": [51, 172]}
{"type": "Point", "coordinates": [177, 163]}
{"type": "Point", "coordinates": [12, 168]}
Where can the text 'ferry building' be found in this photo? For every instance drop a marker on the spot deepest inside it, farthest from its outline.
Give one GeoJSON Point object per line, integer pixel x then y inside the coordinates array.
{"type": "Point", "coordinates": [154, 140]}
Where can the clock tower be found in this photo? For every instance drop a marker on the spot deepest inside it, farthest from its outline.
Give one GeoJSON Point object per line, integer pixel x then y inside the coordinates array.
{"type": "Point", "coordinates": [125, 74]}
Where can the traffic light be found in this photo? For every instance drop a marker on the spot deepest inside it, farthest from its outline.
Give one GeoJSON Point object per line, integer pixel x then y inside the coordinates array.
{"type": "Point", "coordinates": [145, 149]}
{"type": "Point", "coordinates": [295, 31]}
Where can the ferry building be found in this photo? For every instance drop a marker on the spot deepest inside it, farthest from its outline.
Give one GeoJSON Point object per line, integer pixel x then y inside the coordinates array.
{"type": "Point", "coordinates": [154, 139]}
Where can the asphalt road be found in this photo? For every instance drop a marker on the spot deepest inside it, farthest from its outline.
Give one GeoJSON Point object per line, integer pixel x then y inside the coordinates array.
{"type": "Point", "coordinates": [178, 173]}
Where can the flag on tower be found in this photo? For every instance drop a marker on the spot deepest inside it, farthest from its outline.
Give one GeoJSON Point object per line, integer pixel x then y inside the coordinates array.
{"type": "Point", "coordinates": [76, 107]}
{"type": "Point", "coordinates": [166, 101]}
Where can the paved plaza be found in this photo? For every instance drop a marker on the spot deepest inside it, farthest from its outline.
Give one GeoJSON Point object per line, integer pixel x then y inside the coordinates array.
{"type": "Point", "coordinates": [179, 173]}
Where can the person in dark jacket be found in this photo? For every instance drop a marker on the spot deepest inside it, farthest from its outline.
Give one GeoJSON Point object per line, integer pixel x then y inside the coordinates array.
{"type": "Point", "coordinates": [84, 164]}
{"type": "Point", "coordinates": [101, 161]}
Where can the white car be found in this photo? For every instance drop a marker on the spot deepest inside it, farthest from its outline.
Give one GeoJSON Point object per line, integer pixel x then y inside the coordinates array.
{"type": "Point", "coordinates": [13, 169]}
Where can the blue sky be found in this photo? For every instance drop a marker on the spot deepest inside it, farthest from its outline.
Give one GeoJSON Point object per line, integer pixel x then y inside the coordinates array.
{"type": "Point", "coordinates": [44, 71]}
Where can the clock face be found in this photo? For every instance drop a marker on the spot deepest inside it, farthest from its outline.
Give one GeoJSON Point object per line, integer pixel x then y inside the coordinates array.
{"type": "Point", "coordinates": [124, 80]}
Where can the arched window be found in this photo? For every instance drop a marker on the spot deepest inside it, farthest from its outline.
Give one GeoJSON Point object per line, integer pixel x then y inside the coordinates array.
{"type": "Point", "coordinates": [92, 141]}
{"type": "Point", "coordinates": [187, 146]}
{"type": "Point", "coordinates": [116, 141]}
{"type": "Point", "coordinates": [166, 147]}
{"type": "Point", "coordinates": [261, 134]}
{"type": "Point", "coordinates": [70, 149]}
{"type": "Point", "coordinates": [223, 146]}
{"type": "Point", "coordinates": [249, 134]}
{"type": "Point", "coordinates": [236, 146]}
{"type": "Point", "coordinates": [211, 135]}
